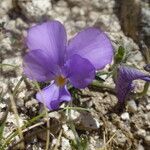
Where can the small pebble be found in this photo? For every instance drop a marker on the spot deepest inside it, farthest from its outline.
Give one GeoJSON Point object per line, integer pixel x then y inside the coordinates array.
{"type": "Point", "coordinates": [147, 140]}
{"type": "Point", "coordinates": [125, 116]}
{"type": "Point", "coordinates": [141, 133]}
{"type": "Point", "coordinates": [65, 144]}
{"type": "Point", "coordinates": [132, 107]}
{"type": "Point", "coordinates": [140, 147]}
{"type": "Point", "coordinates": [148, 107]}
{"type": "Point", "coordinates": [74, 115]}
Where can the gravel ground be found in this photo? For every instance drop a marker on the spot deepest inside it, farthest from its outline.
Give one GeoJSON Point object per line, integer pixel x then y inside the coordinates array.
{"type": "Point", "coordinates": [129, 130]}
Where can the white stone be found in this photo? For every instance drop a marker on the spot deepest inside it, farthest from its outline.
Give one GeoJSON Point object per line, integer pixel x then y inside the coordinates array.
{"type": "Point", "coordinates": [125, 116]}
{"type": "Point", "coordinates": [65, 144]}
{"type": "Point", "coordinates": [93, 15]}
{"type": "Point", "coordinates": [34, 9]}
{"type": "Point", "coordinates": [74, 115]}
{"type": "Point", "coordinates": [4, 18]}
{"type": "Point", "coordinates": [5, 6]}
{"type": "Point", "coordinates": [54, 114]}
{"type": "Point", "coordinates": [132, 107]}
{"type": "Point", "coordinates": [67, 132]}
{"type": "Point", "coordinates": [31, 103]}
{"type": "Point", "coordinates": [15, 61]}
{"type": "Point", "coordinates": [141, 133]}
{"type": "Point", "coordinates": [21, 24]}
{"type": "Point", "coordinates": [140, 147]}
{"type": "Point", "coordinates": [2, 105]}
{"type": "Point", "coordinates": [147, 140]}
{"type": "Point", "coordinates": [65, 127]}
{"type": "Point", "coordinates": [5, 44]}
{"type": "Point", "coordinates": [12, 119]}
{"type": "Point", "coordinates": [11, 26]}
{"type": "Point", "coordinates": [70, 135]}
{"type": "Point", "coordinates": [80, 24]}
{"type": "Point", "coordinates": [148, 107]}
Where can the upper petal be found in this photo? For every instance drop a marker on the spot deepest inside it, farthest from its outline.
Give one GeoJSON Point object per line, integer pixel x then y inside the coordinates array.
{"type": "Point", "coordinates": [124, 81]}
{"type": "Point", "coordinates": [93, 45]}
{"type": "Point", "coordinates": [50, 37]}
{"type": "Point", "coordinates": [53, 95]}
{"type": "Point", "coordinates": [79, 71]}
{"type": "Point", "coordinates": [38, 66]}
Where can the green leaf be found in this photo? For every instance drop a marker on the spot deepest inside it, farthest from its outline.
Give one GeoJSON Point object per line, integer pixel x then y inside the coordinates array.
{"type": "Point", "coordinates": [1, 132]}
{"type": "Point", "coordinates": [120, 55]}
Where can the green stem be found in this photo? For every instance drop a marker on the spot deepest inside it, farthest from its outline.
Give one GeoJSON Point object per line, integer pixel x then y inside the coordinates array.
{"type": "Point", "coordinates": [17, 86]}
{"type": "Point", "coordinates": [72, 127]}
{"type": "Point", "coordinates": [102, 87]}
{"type": "Point", "coordinates": [9, 65]}
{"type": "Point", "coordinates": [15, 133]}
{"type": "Point", "coordinates": [76, 108]}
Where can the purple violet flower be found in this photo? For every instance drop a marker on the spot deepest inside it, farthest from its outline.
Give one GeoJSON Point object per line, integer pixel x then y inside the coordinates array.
{"type": "Point", "coordinates": [124, 81]}
{"type": "Point", "coordinates": [51, 58]}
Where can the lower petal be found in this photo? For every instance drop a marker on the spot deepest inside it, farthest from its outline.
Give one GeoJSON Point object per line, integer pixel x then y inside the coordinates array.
{"type": "Point", "coordinates": [80, 71]}
{"type": "Point", "coordinates": [52, 96]}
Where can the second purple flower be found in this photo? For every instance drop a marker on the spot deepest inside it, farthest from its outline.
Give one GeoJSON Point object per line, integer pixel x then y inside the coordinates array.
{"type": "Point", "coordinates": [51, 58]}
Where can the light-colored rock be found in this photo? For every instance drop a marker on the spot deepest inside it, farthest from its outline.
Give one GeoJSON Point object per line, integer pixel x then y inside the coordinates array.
{"type": "Point", "coordinates": [147, 140]}
{"type": "Point", "coordinates": [11, 118]}
{"type": "Point", "coordinates": [74, 115]}
{"type": "Point", "coordinates": [31, 103]}
{"type": "Point", "coordinates": [54, 114]}
{"type": "Point", "coordinates": [93, 15]}
{"type": "Point", "coordinates": [2, 105]}
{"type": "Point", "coordinates": [148, 107]}
{"type": "Point", "coordinates": [4, 19]}
{"type": "Point", "coordinates": [141, 133]}
{"type": "Point", "coordinates": [20, 24]}
{"type": "Point", "coordinates": [131, 105]}
{"type": "Point", "coordinates": [80, 24]}
{"type": "Point", "coordinates": [77, 11]}
{"type": "Point", "coordinates": [11, 26]}
{"type": "Point", "coordinates": [20, 102]}
{"type": "Point", "coordinates": [110, 22]}
{"type": "Point", "coordinates": [5, 6]}
{"type": "Point", "coordinates": [15, 61]}
{"type": "Point", "coordinates": [140, 147]}
{"type": "Point", "coordinates": [62, 3]}
{"type": "Point", "coordinates": [125, 116]}
{"type": "Point", "coordinates": [67, 132]}
{"type": "Point", "coordinates": [34, 9]}
{"type": "Point", "coordinates": [5, 44]}
{"type": "Point", "coordinates": [96, 143]}
{"type": "Point", "coordinates": [87, 122]}
{"type": "Point", "coordinates": [65, 144]}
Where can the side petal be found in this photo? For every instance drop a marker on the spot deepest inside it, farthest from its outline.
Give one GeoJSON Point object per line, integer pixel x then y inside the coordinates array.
{"type": "Point", "coordinates": [50, 37]}
{"type": "Point", "coordinates": [37, 66]}
{"type": "Point", "coordinates": [53, 95]}
{"type": "Point", "coordinates": [130, 73]}
{"type": "Point", "coordinates": [123, 88]}
{"type": "Point", "coordinates": [93, 45]}
{"type": "Point", "coordinates": [124, 81]}
{"type": "Point", "coordinates": [79, 71]}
